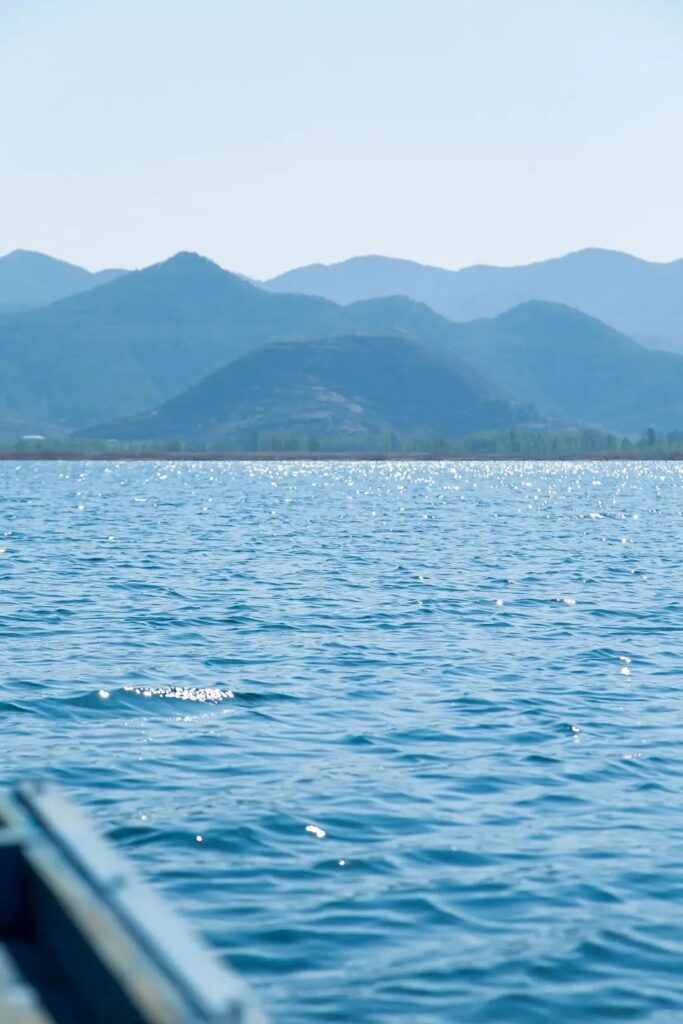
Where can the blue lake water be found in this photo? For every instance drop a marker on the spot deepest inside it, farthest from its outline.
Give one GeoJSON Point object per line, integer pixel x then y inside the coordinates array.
{"type": "Point", "coordinates": [425, 719]}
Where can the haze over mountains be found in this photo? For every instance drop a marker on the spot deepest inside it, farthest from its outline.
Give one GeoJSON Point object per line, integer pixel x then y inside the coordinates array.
{"type": "Point", "coordinates": [642, 299]}
{"type": "Point", "coordinates": [185, 349]}
{"type": "Point", "coordinates": [131, 344]}
{"type": "Point", "coordinates": [30, 279]}
{"type": "Point", "coordinates": [575, 368]}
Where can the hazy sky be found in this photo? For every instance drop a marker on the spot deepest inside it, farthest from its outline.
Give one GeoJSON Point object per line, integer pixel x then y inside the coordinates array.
{"type": "Point", "coordinates": [271, 133]}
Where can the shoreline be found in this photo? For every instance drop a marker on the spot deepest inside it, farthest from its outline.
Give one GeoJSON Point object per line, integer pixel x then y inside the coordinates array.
{"type": "Point", "coordinates": [162, 456]}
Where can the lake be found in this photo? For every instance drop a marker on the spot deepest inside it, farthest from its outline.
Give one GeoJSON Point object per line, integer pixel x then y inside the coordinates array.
{"type": "Point", "coordinates": [403, 740]}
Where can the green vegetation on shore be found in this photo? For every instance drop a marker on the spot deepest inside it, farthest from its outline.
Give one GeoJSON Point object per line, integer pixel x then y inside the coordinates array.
{"type": "Point", "coordinates": [502, 443]}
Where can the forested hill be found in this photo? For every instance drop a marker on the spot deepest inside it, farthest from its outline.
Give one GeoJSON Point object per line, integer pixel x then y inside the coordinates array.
{"type": "Point", "coordinates": [128, 346]}
{"type": "Point", "coordinates": [353, 388]}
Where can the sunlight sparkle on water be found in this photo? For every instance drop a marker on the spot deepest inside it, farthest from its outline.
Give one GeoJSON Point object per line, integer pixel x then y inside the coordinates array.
{"type": "Point", "coordinates": [504, 795]}
{"type": "Point", "coordinates": [320, 833]}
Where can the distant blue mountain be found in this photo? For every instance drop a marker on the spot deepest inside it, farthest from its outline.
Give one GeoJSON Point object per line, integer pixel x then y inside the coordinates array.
{"type": "Point", "coordinates": [642, 299]}
{"type": "Point", "coordinates": [134, 342]}
{"type": "Point", "coordinates": [576, 368]}
{"type": "Point", "coordinates": [149, 337]}
{"type": "Point", "coordinates": [30, 279]}
{"type": "Point", "coordinates": [540, 362]}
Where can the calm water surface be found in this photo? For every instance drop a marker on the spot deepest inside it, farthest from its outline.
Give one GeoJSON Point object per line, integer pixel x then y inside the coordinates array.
{"type": "Point", "coordinates": [425, 718]}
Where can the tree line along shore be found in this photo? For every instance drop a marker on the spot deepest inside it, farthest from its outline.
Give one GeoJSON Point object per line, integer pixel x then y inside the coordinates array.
{"type": "Point", "coordinates": [566, 444]}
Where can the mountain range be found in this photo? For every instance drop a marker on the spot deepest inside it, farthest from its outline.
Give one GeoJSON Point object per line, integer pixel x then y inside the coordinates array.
{"type": "Point", "coordinates": [642, 299]}
{"type": "Point", "coordinates": [130, 344]}
{"type": "Point", "coordinates": [185, 349]}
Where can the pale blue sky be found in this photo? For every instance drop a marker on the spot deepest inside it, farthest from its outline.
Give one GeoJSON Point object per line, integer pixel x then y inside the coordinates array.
{"type": "Point", "coordinates": [270, 133]}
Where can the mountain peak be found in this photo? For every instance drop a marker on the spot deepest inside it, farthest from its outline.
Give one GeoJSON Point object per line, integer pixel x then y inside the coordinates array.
{"type": "Point", "coordinates": [30, 279]}
{"type": "Point", "coordinates": [186, 260]}
{"type": "Point", "coordinates": [544, 307]}
{"type": "Point", "coordinates": [30, 258]}
{"type": "Point", "coordinates": [190, 257]}
{"type": "Point", "coordinates": [560, 321]}
{"type": "Point", "coordinates": [194, 264]}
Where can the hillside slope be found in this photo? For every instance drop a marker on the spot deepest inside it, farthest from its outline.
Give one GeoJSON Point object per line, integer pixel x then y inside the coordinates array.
{"type": "Point", "coordinates": [131, 344]}
{"type": "Point", "coordinates": [354, 387]}
{"type": "Point", "coordinates": [573, 367]}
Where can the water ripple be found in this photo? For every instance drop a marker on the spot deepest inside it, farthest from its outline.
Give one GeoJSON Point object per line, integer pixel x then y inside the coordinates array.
{"type": "Point", "coordinates": [404, 740]}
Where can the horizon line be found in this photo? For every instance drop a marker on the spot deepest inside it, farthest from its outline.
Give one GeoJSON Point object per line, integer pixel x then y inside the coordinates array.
{"type": "Point", "coordinates": [348, 259]}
